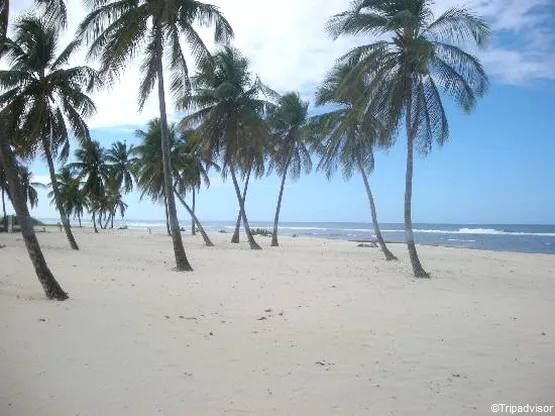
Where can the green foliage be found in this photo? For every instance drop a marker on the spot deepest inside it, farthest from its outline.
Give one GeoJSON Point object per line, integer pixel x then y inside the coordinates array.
{"type": "Point", "coordinates": [420, 57]}
{"type": "Point", "coordinates": [264, 232]}
{"type": "Point", "coordinates": [230, 105]}
{"type": "Point", "coordinates": [42, 98]}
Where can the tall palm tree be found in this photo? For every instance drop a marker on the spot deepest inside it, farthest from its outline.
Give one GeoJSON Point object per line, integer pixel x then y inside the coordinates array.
{"type": "Point", "coordinates": [91, 168]}
{"type": "Point", "coordinates": [70, 193]}
{"type": "Point", "coordinates": [420, 56]}
{"type": "Point", "coordinates": [150, 170]}
{"type": "Point", "coordinates": [45, 97]}
{"type": "Point", "coordinates": [348, 137]}
{"type": "Point", "coordinates": [194, 170]}
{"type": "Point", "coordinates": [118, 31]}
{"type": "Point", "coordinates": [290, 151]}
{"type": "Point", "coordinates": [122, 165]}
{"type": "Point", "coordinates": [229, 108]}
{"type": "Point", "coordinates": [50, 285]}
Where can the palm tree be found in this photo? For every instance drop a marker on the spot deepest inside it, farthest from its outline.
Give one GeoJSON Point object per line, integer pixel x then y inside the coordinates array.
{"type": "Point", "coordinates": [91, 169]}
{"type": "Point", "coordinates": [194, 170]}
{"type": "Point", "coordinates": [45, 98]}
{"type": "Point", "coordinates": [150, 170]}
{"type": "Point", "coordinates": [50, 285]}
{"type": "Point", "coordinates": [122, 165]}
{"type": "Point", "coordinates": [348, 137]}
{"type": "Point", "coordinates": [70, 193]}
{"type": "Point", "coordinates": [118, 31]}
{"type": "Point", "coordinates": [230, 118]}
{"type": "Point", "coordinates": [420, 55]}
{"type": "Point", "coordinates": [291, 154]}
{"type": "Point", "coordinates": [29, 187]}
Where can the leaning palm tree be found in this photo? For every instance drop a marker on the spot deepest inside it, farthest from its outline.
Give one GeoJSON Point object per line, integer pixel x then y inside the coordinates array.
{"type": "Point", "coordinates": [44, 98]}
{"type": "Point", "coordinates": [50, 285]}
{"type": "Point", "coordinates": [419, 57]}
{"type": "Point", "coordinates": [290, 151]}
{"type": "Point", "coordinates": [229, 108]}
{"type": "Point", "coordinates": [150, 170]}
{"type": "Point", "coordinates": [348, 137]}
{"type": "Point", "coordinates": [118, 31]}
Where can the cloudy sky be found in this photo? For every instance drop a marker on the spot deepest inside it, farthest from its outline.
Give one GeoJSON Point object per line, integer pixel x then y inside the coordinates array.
{"type": "Point", "coordinates": [288, 48]}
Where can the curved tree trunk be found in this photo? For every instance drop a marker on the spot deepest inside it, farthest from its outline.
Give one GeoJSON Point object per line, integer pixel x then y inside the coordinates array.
{"type": "Point", "coordinates": [94, 221]}
{"type": "Point", "coordinates": [388, 254]}
{"type": "Point", "coordinates": [181, 261]}
{"type": "Point", "coordinates": [57, 197]}
{"type": "Point", "coordinates": [194, 219]}
{"type": "Point", "coordinates": [51, 287]}
{"type": "Point", "coordinates": [417, 268]}
{"type": "Point", "coordinates": [252, 243]}
{"type": "Point", "coordinates": [193, 224]}
{"type": "Point", "coordinates": [235, 238]}
{"type": "Point", "coordinates": [278, 206]}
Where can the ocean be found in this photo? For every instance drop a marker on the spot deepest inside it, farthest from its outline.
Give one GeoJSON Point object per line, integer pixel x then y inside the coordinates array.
{"type": "Point", "coordinates": [497, 237]}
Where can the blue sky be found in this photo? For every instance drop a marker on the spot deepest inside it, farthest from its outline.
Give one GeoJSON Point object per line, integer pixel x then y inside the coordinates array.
{"type": "Point", "coordinates": [497, 167]}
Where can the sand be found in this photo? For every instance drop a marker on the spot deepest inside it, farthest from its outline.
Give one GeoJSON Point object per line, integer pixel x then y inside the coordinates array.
{"type": "Point", "coordinates": [314, 327]}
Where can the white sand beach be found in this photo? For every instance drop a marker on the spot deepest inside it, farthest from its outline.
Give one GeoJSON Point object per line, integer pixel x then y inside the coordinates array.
{"type": "Point", "coordinates": [314, 327]}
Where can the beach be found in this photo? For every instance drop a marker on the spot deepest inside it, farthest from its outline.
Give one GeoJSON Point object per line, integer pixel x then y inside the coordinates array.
{"type": "Point", "coordinates": [313, 327]}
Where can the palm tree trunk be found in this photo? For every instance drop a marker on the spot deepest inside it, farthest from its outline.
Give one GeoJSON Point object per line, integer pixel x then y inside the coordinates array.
{"type": "Point", "coordinates": [181, 261]}
{"type": "Point", "coordinates": [4, 216]}
{"type": "Point", "coordinates": [79, 218]}
{"type": "Point", "coordinates": [57, 197]}
{"type": "Point", "coordinates": [252, 243]}
{"type": "Point", "coordinates": [107, 217]}
{"type": "Point", "coordinates": [113, 214]}
{"type": "Point", "coordinates": [235, 238]}
{"type": "Point", "coordinates": [194, 219]}
{"type": "Point", "coordinates": [167, 215]}
{"type": "Point", "coordinates": [278, 206]}
{"type": "Point", "coordinates": [388, 254]}
{"type": "Point", "coordinates": [417, 268]}
{"type": "Point", "coordinates": [193, 224]}
{"type": "Point", "coordinates": [51, 287]}
{"type": "Point", "coordinates": [94, 221]}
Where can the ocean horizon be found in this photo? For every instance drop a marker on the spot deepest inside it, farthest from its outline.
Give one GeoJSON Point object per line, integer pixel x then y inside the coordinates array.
{"type": "Point", "coordinates": [523, 238]}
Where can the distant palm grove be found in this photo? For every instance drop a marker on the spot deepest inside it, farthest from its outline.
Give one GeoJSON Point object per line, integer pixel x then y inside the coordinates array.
{"type": "Point", "coordinates": [394, 84]}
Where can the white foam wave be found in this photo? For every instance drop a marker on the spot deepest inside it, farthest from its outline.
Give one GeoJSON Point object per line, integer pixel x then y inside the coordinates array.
{"type": "Point", "coordinates": [461, 240]}
{"type": "Point", "coordinates": [484, 231]}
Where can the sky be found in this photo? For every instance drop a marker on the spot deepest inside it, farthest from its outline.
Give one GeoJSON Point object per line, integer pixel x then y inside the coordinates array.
{"type": "Point", "coordinates": [498, 165]}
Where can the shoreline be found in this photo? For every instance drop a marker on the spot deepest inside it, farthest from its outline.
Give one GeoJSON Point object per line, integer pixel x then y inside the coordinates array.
{"type": "Point", "coordinates": [389, 242]}
{"type": "Point", "coordinates": [315, 326]}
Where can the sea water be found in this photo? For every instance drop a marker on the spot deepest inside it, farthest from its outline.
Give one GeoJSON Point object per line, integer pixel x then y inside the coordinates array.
{"type": "Point", "coordinates": [498, 237]}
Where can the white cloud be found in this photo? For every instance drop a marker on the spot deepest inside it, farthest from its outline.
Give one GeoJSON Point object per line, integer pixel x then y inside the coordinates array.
{"type": "Point", "coordinates": [289, 49]}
